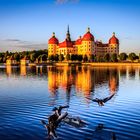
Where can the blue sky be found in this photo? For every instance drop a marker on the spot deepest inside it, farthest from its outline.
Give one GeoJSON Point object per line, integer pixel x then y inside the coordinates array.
{"type": "Point", "coordinates": [28, 24]}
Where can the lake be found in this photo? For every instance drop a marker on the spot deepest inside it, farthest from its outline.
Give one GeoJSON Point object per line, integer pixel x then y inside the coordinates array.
{"type": "Point", "coordinates": [28, 94]}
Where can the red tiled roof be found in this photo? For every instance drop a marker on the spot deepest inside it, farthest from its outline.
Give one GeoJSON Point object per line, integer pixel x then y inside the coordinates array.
{"type": "Point", "coordinates": [53, 40]}
{"type": "Point", "coordinates": [113, 40]}
{"type": "Point", "coordinates": [68, 44]}
{"type": "Point", "coordinates": [78, 41]}
{"type": "Point", "coordinates": [88, 37]}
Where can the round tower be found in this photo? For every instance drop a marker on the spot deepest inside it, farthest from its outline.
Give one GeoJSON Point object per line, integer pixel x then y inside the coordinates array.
{"type": "Point", "coordinates": [88, 45]}
{"type": "Point", "coordinates": [114, 44]}
{"type": "Point", "coordinates": [52, 45]}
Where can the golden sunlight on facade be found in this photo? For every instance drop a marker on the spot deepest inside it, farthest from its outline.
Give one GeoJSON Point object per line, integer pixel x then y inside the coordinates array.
{"type": "Point", "coordinates": [85, 45]}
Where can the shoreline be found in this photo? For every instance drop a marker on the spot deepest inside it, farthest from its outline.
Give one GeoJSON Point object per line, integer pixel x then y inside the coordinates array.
{"type": "Point", "coordinates": [102, 64]}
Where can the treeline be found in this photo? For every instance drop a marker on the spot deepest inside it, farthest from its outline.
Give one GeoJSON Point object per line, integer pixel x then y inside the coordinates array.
{"type": "Point", "coordinates": [106, 58]}
{"type": "Point", "coordinates": [31, 55]}
{"type": "Point", "coordinates": [42, 56]}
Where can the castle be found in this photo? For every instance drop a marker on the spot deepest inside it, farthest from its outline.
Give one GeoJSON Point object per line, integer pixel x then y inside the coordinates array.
{"type": "Point", "coordinates": [85, 45]}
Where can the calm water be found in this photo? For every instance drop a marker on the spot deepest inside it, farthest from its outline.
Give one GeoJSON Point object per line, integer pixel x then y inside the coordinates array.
{"type": "Point", "coordinates": [28, 94]}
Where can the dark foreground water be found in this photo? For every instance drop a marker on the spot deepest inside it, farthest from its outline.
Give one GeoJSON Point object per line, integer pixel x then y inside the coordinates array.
{"type": "Point", "coordinates": [27, 95]}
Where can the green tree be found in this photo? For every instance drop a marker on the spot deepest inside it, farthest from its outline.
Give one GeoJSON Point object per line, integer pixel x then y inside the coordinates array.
{"type": "Point", "coordinates": [61, 57]}
{"type": "Point", "coordinates": [73, 57]}
{"type": "Point", "coordinates": [85, 58]}
{"type": "Point", "coordinates": [1, 59]}
{"type": "Point", "coordinates": [107, 57]}
{"type": "Point", "coordinates": [56, 57]}
{"type": "Point", "coordinates": [123, 56]}
{"type": "Point", "coordinates": [33, 57]}
{"type": "Point", "coordinates": [114, 57]}
{"type": "Point", "coordinates": [92, 58]}
{"type": "Point", "coordinates": [99, 59]}
{"type": "Point", "coordinates": [80, 57]}
{"type": "Point", "coordinates": [68, 57]}
{"type": "Point", "coordinates": [7, 53]}
{"type": "Point", "coordinates": [132, 56]}
{"type": "Point", "coordinates": [17, 56]}
{"type": "Point", "coordinates": [44, 57]}
{"type": "Point", "coordinates": [51, 57]}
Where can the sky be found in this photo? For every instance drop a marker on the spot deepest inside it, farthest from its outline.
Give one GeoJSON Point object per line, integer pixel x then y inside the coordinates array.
{"type": "Point", "coordinates": [28, 24]}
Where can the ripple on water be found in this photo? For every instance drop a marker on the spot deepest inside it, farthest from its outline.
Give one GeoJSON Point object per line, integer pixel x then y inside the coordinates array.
{"type": "Point", "coordinates": [22, 107]}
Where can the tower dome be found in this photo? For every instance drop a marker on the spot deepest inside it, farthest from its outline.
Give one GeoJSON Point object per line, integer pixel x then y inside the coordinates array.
{"type": "Point", "coordinates": [88, 36]}
{"type": "Point", "coordinates": [53, 40]}
{"type": "Point", "coordinates": [113, 39]}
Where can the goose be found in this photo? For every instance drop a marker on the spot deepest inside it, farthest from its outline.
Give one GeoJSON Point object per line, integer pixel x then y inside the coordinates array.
{"type": "Point", "coordinates": [101, 101]}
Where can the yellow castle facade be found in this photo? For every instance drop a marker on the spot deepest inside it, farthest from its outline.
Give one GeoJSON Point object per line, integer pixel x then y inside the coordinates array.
{"type": "Point", "coordinates": [85, 45]}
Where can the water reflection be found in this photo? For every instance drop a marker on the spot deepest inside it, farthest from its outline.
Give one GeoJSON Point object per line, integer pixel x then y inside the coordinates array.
{"type": "Point", "coordinates": [123, 72]}
{"type": "Point", "coordinates": [84, 79]}
{"type": "Point", "coordinates": [29, 93]}
{"type": "Point", "coordinates": [23, 70]}
{"type": "Point", "coordinates": [9, 70]}
{"type": "Point", "coordinates": [100, 133]}
{"type": "Point", "coordinates": [132, 72]}
{"type": "Point", "coordinates": [12, 70]}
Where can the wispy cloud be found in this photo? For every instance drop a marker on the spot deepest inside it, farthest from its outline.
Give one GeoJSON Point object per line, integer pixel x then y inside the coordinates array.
{"type": "Point", "coordinates": [66, 1]}
{"type": "Point", "coordinates": [19, 45]}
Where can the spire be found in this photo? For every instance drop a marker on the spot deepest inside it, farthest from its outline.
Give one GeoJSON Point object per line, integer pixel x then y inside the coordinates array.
{"type": "Point", "coordinates": [88, 29]}
{"type": "Point", "coordinates": [113, 33]}
{"type": "Point", "coordinates": [68, 29]}
{"type": "Point", "coordinates": [53, 34]}
{"type": "Point", "coordinates": [68, 35]}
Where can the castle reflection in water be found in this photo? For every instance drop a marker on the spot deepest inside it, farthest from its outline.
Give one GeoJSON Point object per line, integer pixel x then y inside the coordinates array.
{"type": "Point", "coordinates": [84, 79]}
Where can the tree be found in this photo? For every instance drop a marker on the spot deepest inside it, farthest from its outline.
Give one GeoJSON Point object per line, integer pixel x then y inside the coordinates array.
{"type": "Point", "coordinates": [16, 56]}
{"type": "Point", "coordinates": [85, 58]}
{"type": "Point", "coordinates": [123, 56]}
{"type": "Point", "coordinates": [44, 57]}
{"type": "Point", "coordinates": [52, 57]}
{"type": "Point", "coordinates": [80, 57]}
{"type": "Point", "coordinates": [114, 57]}
{"type": "Point", "coordinates": [32, 57]}
{"type": "Point", "coordinates": [99, 59]}
{"type": "Point", "coordinates": [92, 58]}
{"type": "Point", "coordinates": [6, 53]}
{"type": "Point", "coordinates": [68, 57]}
{"type": "Point", "coordinates": [56, 57]}
{"type": "Point", "coordinates": [132, 56]}
{"type": "Point", "coordinates": [73, 57]}
{"type": "Point", "coordinates": [1, 60]}
{"type": "Point", "coordinates": [61, 57]}
{"type": "Point", "coordinates": [107, 57]}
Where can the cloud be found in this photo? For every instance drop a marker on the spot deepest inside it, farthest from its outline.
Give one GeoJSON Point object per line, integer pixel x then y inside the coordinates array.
{"type": "Point", "coordinates": [13, 45]}
{"type": "Point", "coordinates": [65, 1]}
